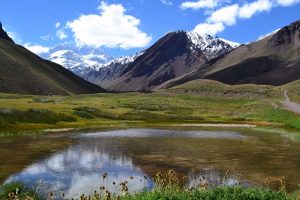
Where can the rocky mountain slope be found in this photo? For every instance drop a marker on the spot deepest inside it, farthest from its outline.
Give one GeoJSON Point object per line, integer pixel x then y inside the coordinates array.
{"type": "Point", "coordinates": [176, 54]}
{"type": "Point", "coordinates": [4, 35]}
{"type": "Point", "coordinates": [23, 72]}
{"type": "Point", "coordinates": [273, 60]}
{"type": "Point", "coordinates": [111, 71]}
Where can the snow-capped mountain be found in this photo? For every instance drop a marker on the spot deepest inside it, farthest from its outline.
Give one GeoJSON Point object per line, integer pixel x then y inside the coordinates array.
{"type": "Point", "coordinates": [91, 64]}
{"type": "Point", "coordinates": [110, 71]}
{"type": "Point", "coordinates": [175, 54]}
{"type": "Point", "coordinates": [267, 34]}
{"type": "Point", "coordinates": [78, 60]}
{"type": "Point", "coordinates": [212, 47]}
{"type": "Point", "coordinates": [231, 43]}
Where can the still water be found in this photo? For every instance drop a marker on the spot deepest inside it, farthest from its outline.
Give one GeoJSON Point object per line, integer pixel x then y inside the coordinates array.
{"type": "Point", "coordinates": [73, 163]}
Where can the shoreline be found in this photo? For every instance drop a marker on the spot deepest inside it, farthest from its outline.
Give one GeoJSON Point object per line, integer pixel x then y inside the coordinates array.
{"type": "Point", "coordinates": [221, 125]}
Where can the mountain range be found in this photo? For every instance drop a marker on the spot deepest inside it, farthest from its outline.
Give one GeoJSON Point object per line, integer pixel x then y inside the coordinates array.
{"type": "Point", "coordinates": [176, 54]}
{"type": "Point", "coordinates": [176, 58]}
{"type": "Point", "coordinates": [272, 60]}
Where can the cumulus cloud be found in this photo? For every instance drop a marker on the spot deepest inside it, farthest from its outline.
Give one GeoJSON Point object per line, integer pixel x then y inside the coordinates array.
{"type": "Point", "coordinates": [167, 2]}
{"type": "Point", "coordinates": [199, 4]}
{"type": "Point", "coordinates": [249, 9]}
{"type": "Point", "coordinates": [111, 28]}
{"type": "Point", "coordinates": [209, 28]}
{"type": "Point", "coordinates": [228, 15]}
{"type": "Point", "coordinates": [37, 49]}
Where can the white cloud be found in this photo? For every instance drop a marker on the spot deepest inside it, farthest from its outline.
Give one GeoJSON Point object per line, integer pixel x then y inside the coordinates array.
{"type": "Point", "coordinates": [57, 25]}
{"type": "Point", "coordinates": [61, 34]}
{"type": "Point", "coordinates": [167, 2]}
{"type": "Point", "coordinates": [209, 28]}
{"type": "Point", "coordinates": [199, 4]}
{"type": "Point", "coordinates": [37, 49]}
{"type": "Point", "coordinates": [249, 9]}
{"type": "Point", "coordinates": [287, 2]}
{"type": "Point", "coordinates": [47, 37]}
{"type": "Point", "coordinates": [226, 15]}
{"type": "Point", "coordinates": [12, 35]}
{"type": "Point", "coordinates": [111, 28]}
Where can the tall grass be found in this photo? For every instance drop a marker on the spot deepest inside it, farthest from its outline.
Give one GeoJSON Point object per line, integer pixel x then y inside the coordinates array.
{"type": "Point", "coordinates": [17, 191]}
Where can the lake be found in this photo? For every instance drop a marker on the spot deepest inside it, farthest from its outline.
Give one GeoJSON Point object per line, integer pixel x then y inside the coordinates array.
{"type": "Point", "coordinates": [73, 163]}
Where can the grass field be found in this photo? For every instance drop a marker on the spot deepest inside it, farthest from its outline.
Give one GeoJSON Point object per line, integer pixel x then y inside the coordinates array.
{"type": "Point", "coordinates": [194, 102]}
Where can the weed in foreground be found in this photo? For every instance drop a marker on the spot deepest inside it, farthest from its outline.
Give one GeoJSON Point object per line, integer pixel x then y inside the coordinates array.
{"type": "Point", "coordinates": [167, 185]}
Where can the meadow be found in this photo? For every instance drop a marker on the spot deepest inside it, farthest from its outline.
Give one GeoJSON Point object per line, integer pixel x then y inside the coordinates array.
{"type": "Point", "coordinates": [197, 102]}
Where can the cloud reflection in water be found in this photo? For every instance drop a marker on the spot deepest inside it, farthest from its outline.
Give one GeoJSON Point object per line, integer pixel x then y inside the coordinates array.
{"type": "Point", "coordinates": [78, 170]}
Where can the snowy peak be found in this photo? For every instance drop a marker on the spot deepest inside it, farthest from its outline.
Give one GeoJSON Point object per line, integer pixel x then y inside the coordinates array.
{"type": "Point", "coordinates": [78, 60]}
{"type": "Point", "coordinates": [267, 35]}
{"type": "Point", "coordinates": [124, 60]}
{"type": "Point", "coordinates": [231, 43]}
{"type": "Point", "coordinates": [212, 47]}
{"type": "Point", "coordinates": [111, 70]}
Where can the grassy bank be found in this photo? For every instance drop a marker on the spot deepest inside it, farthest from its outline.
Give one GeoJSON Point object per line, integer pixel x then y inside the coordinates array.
{"type": "Point", "coordinates": [192, 103]}
{"type": "Point", "coordinates": [219, 193]}
{"type": "Point", "coordinates": [166, 186]}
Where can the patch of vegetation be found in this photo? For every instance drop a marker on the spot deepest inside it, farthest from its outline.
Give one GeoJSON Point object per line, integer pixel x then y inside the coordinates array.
{"type": "Point", "coordinates": [220, 193]}
{"type": "Point", "coordinates": [195, 102]}
{"type": "Point", "coordinates": [167, 186]}
{"type": "Point", "coordinates": [17, 191]}
{"type": "Point", "coordinates": [39, 116]}
{"type": "Point", "coordinates": [282, 116]}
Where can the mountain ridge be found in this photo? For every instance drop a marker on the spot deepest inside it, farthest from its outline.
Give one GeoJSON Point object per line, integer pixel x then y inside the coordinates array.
{"type": "Point", "coordinates": [272, 60]}
{"type": "Point", "coordinates": [175, 54]}
{"type": "Point", "coordinates": [23, 72]}
{"type": "Point", "coordinates": [4, 35]}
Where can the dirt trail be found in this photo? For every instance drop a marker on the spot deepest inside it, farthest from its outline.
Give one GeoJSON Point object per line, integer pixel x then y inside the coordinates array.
{"type": "Point", "coordinates": [289, 105]}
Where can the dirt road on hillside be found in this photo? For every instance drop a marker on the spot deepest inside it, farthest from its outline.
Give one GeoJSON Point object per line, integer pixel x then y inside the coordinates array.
{"type": "Point", "coordinates": [289, 105]}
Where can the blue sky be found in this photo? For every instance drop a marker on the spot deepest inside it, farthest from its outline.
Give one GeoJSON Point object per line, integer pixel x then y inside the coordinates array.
{"type": "Point", "coordinates": [124, 27]}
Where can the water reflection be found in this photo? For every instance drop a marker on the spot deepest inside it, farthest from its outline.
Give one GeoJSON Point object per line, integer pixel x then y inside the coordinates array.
{"type": "Point", "coordinates": [144, 133]}
{"type": "Point", "coordinates": [78, 170]}
{"type": "Point", "coordinates": [143, 152]}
